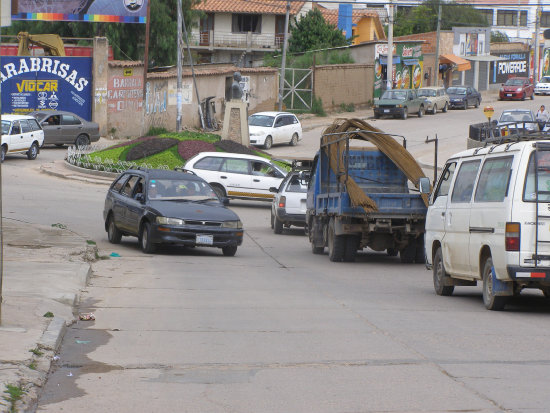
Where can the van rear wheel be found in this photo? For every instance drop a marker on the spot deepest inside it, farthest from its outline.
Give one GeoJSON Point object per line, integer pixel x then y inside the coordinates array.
{"type": "Point", "coordinates": [491, 301]}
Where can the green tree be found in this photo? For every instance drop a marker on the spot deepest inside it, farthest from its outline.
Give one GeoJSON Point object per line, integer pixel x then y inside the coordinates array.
{"type": "Point", "coordinates": [423, 18]}
{"type": "Point", "coordinates": [312, 32]}
{"type": "Point", "coordinates": [499, 37]}
{"type": "Point", "coordinates": [127, 40]}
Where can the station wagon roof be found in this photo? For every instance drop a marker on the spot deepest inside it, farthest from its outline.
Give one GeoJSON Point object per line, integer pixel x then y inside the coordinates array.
{"type": "Point", "coordinates": [165, 174]}
{"type": "Point", "coordinates": [231, 155]}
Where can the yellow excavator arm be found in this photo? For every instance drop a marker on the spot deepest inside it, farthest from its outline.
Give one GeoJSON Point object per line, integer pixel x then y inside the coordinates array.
{"type": "Point", "coordinates": [51, 43]}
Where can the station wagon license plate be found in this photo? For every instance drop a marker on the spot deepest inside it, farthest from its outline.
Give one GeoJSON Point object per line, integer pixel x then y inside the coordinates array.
{"type": "Point", "coordinates": [205, 239]}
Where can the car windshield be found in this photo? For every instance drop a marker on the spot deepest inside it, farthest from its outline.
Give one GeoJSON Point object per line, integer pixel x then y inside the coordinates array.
{"type": "Point", "coordinates": [39, 115]}
{"type": "Point", "coordinates": [180, 189]}
{"type": "Point", "coordinates": [514, 82]}
{"type": "Point", "coordinates": [261, 120]}
{"type": "Point", "coordinates": [456, 91]}
{"type": "Point", "coordinates": [545, 79]}
{"type": "Point", "coordinates": [394, 94]}
{"type": "Point", "coordinates": [426, 92]}
{"type": "Point", "coordinates": [294, 185]}
{"type": "Point", "coordinates": [516, 116]}
{"type": "Point", "coordinates": [5, 127]}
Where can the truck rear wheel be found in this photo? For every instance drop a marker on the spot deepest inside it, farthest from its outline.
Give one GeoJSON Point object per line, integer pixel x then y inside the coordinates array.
{"type": "Point", "coordinates": [408, 253]}
{"type": "Point", "coordinates": [351, 248]}
{"type": "Point", "coordinates": [315, 233]}
{"type": "Point", "coordinates": [336, 244]}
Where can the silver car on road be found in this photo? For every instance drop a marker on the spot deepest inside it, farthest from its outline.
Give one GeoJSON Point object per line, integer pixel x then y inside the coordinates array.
{"type": "Point", "coordinates": [66, 128]}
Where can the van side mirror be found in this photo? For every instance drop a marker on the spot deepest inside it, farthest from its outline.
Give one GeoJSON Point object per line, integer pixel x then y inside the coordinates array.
{"type": "Point", "coordinates": [424, 185]}
{"type": "Point", "coordinates": [273, 189]}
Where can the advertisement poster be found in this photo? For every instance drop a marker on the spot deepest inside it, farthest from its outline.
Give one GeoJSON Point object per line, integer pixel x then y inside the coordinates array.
{"type": "Point", "coordinates": [41, 83]}
{"type": "Point", "coordinates": [546, 62]}
{"type": "Point", "coordinates": [113, 11]}
{"type": "Point", "coordinates": [515, 65]}
{"type": "Point", "coordinates": [408, 63]}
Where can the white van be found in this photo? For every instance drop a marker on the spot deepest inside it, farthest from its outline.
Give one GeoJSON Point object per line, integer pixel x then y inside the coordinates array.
{"type": "Point", "coordinates": [489, 220]}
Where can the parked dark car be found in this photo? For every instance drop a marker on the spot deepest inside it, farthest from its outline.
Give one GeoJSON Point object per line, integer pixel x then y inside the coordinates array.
{"type": "Point", "coordinates": [66, 128]}
{"type": "Point", "coordinates": [169, 207]}
{"type": "Point", "coordinates": [517, 88]}
{"type": "Point", "coordinates": [463, 96]}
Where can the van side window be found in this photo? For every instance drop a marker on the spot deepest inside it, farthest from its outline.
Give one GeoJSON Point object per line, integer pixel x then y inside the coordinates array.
{"type": "Point", "coordinates": [445, 180]}
{"type": "Point", "coordinates": [464, 183]}
{"type": "Point", "coordinates": [494, 180]}
{"type": "Point", "coordinates": [543, 175]}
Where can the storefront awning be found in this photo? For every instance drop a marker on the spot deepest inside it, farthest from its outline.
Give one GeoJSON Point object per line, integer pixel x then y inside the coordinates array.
{"type": "Point", "coordinates": [461, 64]}
{"type": "Point", "coordinates": [384, 60]}
{"type": "Point", "coordinates": [410, 62]}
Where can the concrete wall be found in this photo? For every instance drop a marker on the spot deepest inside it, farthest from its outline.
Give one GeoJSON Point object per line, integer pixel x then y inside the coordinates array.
{"type": "Point", "coordinates": [100, 73]}
{"type": "Point", "coordinates": [124, 96]}
{"type": "Point", "coordinates": [363, 53]}
{"type": "Point", "coordinates": [350, 83]}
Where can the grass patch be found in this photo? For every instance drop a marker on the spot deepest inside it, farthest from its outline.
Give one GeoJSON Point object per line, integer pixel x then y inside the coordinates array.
{"type": "Point", "coordinates": [317, 107]}
{"type": "Point", "coordinates": [347, 107]}
{"type": "Point", "coordinates": [36, 352]}
{"type": "Point", "coordinates": [49, 314]}
{"type": "Point", "coordinates": [32, 365]}
{"type": "Point", "coordinates": [14, 394]}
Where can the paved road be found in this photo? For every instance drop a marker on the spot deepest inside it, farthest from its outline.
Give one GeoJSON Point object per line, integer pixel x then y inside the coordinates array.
{"type": "Point", "coordinates": [276, 328]}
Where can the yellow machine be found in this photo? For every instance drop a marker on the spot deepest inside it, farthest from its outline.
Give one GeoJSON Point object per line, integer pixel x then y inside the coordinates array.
{"type": "Point", "coordinates": [51, 43]}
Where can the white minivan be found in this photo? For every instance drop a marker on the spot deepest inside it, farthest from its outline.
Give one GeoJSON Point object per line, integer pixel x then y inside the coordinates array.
{"type": "Point", "coordinates": [489, 221]}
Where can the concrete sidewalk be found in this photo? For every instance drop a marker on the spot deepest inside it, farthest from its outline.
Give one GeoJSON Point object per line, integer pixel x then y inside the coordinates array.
{"type": "Point", "coordinates": [44, 270]}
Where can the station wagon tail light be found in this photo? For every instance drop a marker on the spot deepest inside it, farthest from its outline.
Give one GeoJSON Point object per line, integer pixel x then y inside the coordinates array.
{"type": "Point", "coordinates": [512, 236]}
{"type": "Point", "coordinates": [282, 202]}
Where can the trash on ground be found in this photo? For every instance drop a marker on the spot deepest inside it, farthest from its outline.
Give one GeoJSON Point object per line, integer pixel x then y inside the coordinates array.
{"type": "Point", "coordinates": [70, 374]}
{"type": "Point", "coordinates": [82, 341]}
{"type": "Point", "coordinates": [114, 254]}
{"type": "Point", "coordinates": [55, 358]}
{"type": "Point", "coordinates": [86, 316]}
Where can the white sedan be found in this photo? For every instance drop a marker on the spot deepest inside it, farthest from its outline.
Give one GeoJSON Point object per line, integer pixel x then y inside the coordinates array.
{"type": "Point", "coordinates": [543, 86]}
{"type": "Point", "coordinates": [268, 128]}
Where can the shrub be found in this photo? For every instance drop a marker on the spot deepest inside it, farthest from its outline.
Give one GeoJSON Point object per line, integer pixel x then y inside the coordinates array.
{"type": "Point", "coordinates": [347, 107]}
{"type": "Point", "coordinates": [154, 131]}
{"type": "Point", "coordinates": [188, 149]}
{"type": "Point", "coordinates": [234, 147]}
{"type": "Point", "coordinates": [317, 107]}
{"type": "Point", "coordinates": [150, 147]}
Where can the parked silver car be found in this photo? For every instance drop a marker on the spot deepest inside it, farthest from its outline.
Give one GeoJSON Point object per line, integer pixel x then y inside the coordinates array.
{"type": "Point", "coordinates": [436, 98]}
{"type": "Point", "coordinates": [66, 128]}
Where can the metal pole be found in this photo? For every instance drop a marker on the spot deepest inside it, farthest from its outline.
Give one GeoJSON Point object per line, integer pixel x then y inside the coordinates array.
{"type": "Point", "coordinates": [519, 17]}
{"type": "Point", "coordinates": [193, 73]}
{"type": "Point", "coordinates": [436, 142]}
{"type": "Point", "coordinates": [389, 60]}
{"type": "Point", "coordinates": [536, 62]}
{"type": "Point", "coordinates": [179, 86]}
{"type": "Point", "coordinates": [437, 45]}
{"type": "Point", "coordinates": [146, 56]}
{"type": "Point", "coordinates": [283, 63]}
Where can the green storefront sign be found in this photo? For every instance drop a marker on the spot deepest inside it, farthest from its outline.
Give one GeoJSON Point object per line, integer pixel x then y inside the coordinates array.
{"type": "Point", "coordinates": [408, 66]}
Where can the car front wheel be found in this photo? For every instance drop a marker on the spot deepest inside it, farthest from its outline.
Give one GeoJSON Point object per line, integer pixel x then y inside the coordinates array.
{"type": "Point", "coordinates": [147, 245]}
{"type": "Point", "coordinates": [229, 251]}
{"type": "Point", "coordinates": [32, 153]}
{"type": "Point", "coordinates": [405, 113]}
{"type": "Point", "coordinates": [268, 142]}
{"type": "Point", "coordinates": [434, 109]}
{"type": "Point", "coordinates": [294, 140]}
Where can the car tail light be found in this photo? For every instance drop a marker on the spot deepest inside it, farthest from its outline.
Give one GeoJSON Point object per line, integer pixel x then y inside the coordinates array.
{"type": "Point", "coordinates": [512, 236]}
{"type": "Point", "coordinates": [282, 202]}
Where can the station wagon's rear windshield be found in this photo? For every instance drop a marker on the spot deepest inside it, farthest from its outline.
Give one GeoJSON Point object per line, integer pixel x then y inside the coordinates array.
{"type": "Point", "coordinates": [456, 91]}
{"type": "Point", "coordinates": [261, 120]}
{"type": "Point", "coordinates": [394, 94]}
{"type": "Point", "coordinates": [426, 92]}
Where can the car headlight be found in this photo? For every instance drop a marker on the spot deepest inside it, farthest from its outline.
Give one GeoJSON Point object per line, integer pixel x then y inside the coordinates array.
{"type": "Point", "coordinates": [398, 106]}
{"type": "Point", "coordinates": [519, 89]}
{"type": "Point", "coordinates": [170, 221]}
{"type": "Point", "coordinates": [256, 133]}
{"type": "Point", "coordinates": [502, 89]}
{"type": "Point", "coordinates": [232, 224]}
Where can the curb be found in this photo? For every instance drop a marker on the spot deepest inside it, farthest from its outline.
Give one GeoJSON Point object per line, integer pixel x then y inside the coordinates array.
{"type": "Point", "coordinates": [51, 338]}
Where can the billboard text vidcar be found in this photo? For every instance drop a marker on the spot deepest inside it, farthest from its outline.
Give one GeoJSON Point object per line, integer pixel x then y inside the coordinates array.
{"type": "Point", "coordinates": [41, 83]}
{"type": "Point", "coordinates": [112, 11]}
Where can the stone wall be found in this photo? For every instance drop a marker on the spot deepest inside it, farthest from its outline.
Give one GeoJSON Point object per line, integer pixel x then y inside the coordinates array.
{"type": "Point", "coordinates": [344, 84]}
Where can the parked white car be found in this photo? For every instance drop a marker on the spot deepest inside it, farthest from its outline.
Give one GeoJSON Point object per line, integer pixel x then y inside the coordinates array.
{"type": "Point", "coordinates": [21, 134]}
{"type": "Point", "coordinates": [237, 176]}
{"type": "Point", "coordinates": [488, 221]}
{"type": "Point", "coordinates": [436, 98]}
{"type": "Point", "coordinates": [543, 86]}
{"type": "Point", "coordinates": [268, 128]}
{"type": "Point", "coordinates": [289, 204]}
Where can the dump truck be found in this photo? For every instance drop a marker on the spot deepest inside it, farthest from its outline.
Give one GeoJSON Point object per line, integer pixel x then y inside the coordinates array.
{"type": "Point", "coordinates": [360, 197]}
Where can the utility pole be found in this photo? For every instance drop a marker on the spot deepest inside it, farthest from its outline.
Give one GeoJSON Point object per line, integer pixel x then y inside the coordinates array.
{"type": "Point", "coordinates": [536, 62]}
{"type": "Point", "coordinates": [193, 73]}
{"type": "Point", "coordinates": [519, 18]}
{"type": "Point", "coordinates": [283, 64]}
{"type": "Point", "coordinates": [437, 45]}
{"type": "Point", "coordinates": [389, 59]}
{"type": "Point", "coordinates": [146, 56]}
{"type": "Point", "coordinates": [180, 47]}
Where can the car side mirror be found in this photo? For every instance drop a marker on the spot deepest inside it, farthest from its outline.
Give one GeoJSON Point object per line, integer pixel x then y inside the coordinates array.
{"type": "Point", "coordinates": [45, 123]}
{"type": "Point", "coordinates": [273, 189]}
{"type": "Point", "coordinates": [140, 198]}
{"type": "Point", "coordinates": [225, 201]}
{"type": "Point", "coordinates": [424, 185]}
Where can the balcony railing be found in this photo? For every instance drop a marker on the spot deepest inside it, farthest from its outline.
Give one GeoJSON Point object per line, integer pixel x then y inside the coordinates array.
{"type": "Point", "coordinates": [247, 40]}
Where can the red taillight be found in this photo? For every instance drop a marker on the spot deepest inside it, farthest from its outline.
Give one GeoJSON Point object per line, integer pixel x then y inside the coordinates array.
{"type": "Point", "coordinates": [512, 236]}
{"type": "Point", "coordinates": [282, 202]}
